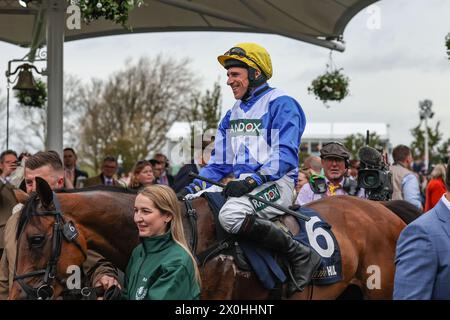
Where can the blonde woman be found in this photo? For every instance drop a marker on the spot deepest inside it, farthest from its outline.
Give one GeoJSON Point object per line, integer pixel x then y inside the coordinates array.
{"type": "Point", "coordinates": [161, 267]}
{"type": "Point", "coordinates": [436, 187]}
{"type": "Point", "coordinates": [142, 175]}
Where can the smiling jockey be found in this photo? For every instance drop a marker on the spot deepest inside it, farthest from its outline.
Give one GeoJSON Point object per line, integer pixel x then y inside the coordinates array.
{"type": "Point", "coordinates": [258, 141]}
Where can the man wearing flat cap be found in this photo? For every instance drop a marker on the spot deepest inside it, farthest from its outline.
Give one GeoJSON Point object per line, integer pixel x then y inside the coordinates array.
{"type": "Point", "coordinates": [335, 161]}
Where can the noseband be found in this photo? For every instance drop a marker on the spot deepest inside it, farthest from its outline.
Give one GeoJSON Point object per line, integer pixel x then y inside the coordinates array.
{"type": "Point", "coordinates": [62, 230]}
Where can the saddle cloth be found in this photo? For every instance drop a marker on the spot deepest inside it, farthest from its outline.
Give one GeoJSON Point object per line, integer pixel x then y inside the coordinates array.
{"type": "Point", "coordinates": [263, 262]}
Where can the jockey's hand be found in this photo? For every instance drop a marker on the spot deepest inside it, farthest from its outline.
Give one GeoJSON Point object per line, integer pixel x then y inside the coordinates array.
{"type": "Point", "coordinates": [182, 194]}
{"type": "Point", "coordinates": [240, 187]}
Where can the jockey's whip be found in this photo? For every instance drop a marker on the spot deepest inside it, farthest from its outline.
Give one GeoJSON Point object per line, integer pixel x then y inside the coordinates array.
{"type": "Point", "coordinates": [260, 199]}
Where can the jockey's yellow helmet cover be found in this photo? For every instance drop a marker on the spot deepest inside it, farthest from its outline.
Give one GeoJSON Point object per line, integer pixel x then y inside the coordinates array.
{"type": "Point", "coordinates": [252, 54]}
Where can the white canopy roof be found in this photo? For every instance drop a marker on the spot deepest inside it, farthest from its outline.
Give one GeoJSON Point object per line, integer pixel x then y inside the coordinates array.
{"type": "Point", "coordinates": [313, 21]}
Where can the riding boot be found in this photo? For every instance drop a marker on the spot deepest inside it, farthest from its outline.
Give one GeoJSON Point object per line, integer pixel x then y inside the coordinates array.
{"type": "Point", "coordinates": [303, 260]}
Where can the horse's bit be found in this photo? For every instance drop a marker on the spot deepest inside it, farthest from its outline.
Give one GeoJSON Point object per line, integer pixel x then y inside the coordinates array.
{"type": "Point", "coordinates": [61, 230]}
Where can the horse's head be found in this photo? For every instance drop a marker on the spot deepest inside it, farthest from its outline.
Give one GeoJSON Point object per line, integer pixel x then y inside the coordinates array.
{"type": "Point", "coordinates": [46, 242]}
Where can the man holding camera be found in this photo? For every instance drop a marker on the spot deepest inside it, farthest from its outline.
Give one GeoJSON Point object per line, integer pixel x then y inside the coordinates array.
{"type": "Point", "coordinates": [8, 163]}
{"type": "Point", "coordinates": [335, 161]}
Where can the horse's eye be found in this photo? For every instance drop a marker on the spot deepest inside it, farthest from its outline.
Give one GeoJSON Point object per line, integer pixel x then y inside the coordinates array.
{"type": "Point", "coordinates": [36, 241]}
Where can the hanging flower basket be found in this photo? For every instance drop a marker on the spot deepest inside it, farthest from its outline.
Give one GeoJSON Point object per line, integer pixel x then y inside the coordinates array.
{"type": "Point", "coordinates": [36, 98]}
{"type": "Point", "coordinates": [114, 10]}
{"type": "Point", "coordinates": [447, 43]}
{"type": "Point", "coordinates": [331, 86]}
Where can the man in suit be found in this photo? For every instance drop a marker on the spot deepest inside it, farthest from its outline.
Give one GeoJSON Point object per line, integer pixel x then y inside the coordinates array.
{"type": "Point", "coordinates": [8, 164]}
{"type": "Point", "coordinates": [71, 172]}
{"type": "Point", "coordinates": [106, 177]}
{"type": "Point", "coordinates": [423, 254]}
{"type": "Point", "coordinates": [7, 202]}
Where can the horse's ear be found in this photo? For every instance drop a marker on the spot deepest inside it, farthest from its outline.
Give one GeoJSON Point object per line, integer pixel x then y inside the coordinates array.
{"type": "Point", "coordinates": [44, 192]}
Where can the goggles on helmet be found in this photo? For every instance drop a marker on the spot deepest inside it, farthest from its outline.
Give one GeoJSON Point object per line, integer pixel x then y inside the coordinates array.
{"type": "Point", "coordinates": [236, 51]}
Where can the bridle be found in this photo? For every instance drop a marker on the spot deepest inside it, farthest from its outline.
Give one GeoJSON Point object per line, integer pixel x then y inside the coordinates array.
{"type": "Point", "coordinates": [62, 230]}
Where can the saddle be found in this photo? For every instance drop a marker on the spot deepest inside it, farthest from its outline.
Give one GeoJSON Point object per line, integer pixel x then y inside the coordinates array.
{"type": "Point", "coordinates": [270, 268]}
{"type": "Point", "coordinates": [241, 251]}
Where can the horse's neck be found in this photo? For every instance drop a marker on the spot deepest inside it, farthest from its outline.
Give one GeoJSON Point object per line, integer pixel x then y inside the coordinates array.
{"type": "Point", "coordinates": [106, 221]}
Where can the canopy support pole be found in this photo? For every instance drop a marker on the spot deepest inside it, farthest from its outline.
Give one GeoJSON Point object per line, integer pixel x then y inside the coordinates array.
{"type": "Point", "coordinates": [55, 50]}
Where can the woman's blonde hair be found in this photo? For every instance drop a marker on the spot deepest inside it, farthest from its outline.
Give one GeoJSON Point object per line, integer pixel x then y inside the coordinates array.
{"type": "Point", "coordinates": [165, 199]}
{"type": "Point", "coordinates": [439, 171]}
{"type": "Point", "coordinates": [138, 167]}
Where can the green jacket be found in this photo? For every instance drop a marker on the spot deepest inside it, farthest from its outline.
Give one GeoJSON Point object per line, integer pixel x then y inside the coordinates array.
{"type": "Point", "coordinates": [160, 269]}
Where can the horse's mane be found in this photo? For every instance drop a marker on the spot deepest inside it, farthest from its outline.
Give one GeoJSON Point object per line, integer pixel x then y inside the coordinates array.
{"type": "Point", "coordinates": [25, 213]}
{"type": "Point", "coordinates": [98, 188]}
{"type": "Point", "coordinates": [403, 209]}
{"type": "Point", "coordinates": [27, 210]}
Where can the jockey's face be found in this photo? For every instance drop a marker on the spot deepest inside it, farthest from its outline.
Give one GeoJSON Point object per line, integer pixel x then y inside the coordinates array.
{"type": "Point", "coordinates": [334, 168]}
{"type": "Point", "coordinates": [149, 219]}
{"type": "Point", "coordinates": [54, 179]}
{"type": "Point", "coordinates": [238, 81]}
{"type": "Point", "coordinates": [146, 177]}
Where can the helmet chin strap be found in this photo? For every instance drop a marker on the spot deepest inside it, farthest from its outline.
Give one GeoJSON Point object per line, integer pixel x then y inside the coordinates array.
{"type": "Point", "coordinates": [253, 82]}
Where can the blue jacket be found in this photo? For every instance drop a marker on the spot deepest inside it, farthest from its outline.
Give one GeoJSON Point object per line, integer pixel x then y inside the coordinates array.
{"type": "Point", "coordinates": [260, 136]}
{"type": "Point", "coordinates": [423, 257]}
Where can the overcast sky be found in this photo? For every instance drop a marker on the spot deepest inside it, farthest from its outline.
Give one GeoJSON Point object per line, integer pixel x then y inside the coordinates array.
{"type": "Point", "coordinates": [391, 68]}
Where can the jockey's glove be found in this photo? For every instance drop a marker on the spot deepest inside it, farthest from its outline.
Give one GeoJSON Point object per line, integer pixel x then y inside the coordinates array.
{"type": "Point", "coordinates": [183, 193]}
{"type": "Point", "coordinates": [240, 187]}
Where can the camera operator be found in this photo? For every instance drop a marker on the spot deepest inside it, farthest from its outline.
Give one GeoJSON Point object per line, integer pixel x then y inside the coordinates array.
{"type": "Point", "coordinates": [335, 162]}
{"type": "Point", "coordinates": [374, 175]}
{"type": "Point", "coordinates": [406, 183]}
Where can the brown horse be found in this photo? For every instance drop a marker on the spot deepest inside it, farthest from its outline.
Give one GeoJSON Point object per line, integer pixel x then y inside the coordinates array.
{"type": "Point", "coordinates": [366, 232]}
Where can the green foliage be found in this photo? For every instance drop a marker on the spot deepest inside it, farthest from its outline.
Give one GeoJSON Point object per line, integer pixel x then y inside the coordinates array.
{"type": "Point", "coordinates": [35, 98]}
{"type": "Point", "coordinates": [114, 10]}
{"type": "Point", "coordinates": [331, 86]}
{"type": "Point", "coordinates": [301, 157]}
{"type": "Point", "coordinates": [203, 114]}
{"type": "Point", "coordinates": [211, 104]}
{"type": "Point", "coordinates": [418, 144]}
{"type": "Point", "coordinates": [443, 152]}
{"type": "Point", "coordinates": [354, 142]}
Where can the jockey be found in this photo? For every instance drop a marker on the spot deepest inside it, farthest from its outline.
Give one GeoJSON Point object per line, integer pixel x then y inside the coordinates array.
{"type": "Point", "coordinates": [258, 142]}
{"type": "Point", "coordinates": [335, 162]}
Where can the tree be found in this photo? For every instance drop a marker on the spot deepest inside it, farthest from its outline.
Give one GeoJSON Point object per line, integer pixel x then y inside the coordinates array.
{"type": "Point", "coordinates": [130, 113]}
{"type": "Point", "coordinates": [418, 144]}
{"type": "Point", "coordinates": [443, 152]}
{"type": "Point", "coordinates": [354, 142]}
{"type": "Point", "coordinates": [203, 115]}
